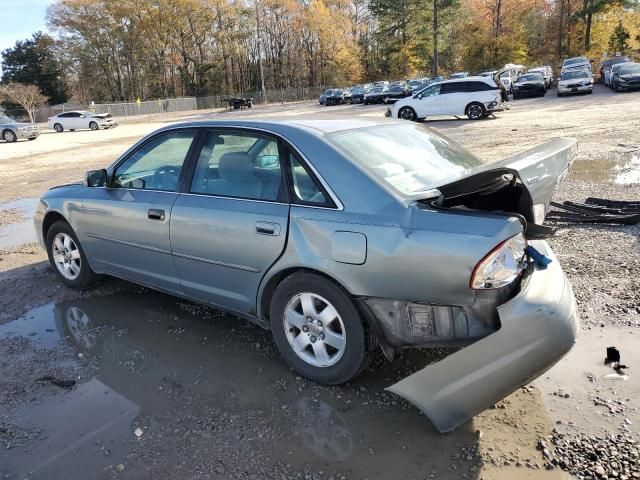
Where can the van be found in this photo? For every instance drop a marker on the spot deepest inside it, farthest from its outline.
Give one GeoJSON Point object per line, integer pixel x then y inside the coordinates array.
{"type": "Point", "coordinates": [475, 97]}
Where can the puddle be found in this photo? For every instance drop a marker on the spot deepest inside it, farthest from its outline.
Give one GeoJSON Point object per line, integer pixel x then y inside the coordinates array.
{"type": "Point", "coordinates": [14, 234]}
{"type": "Point", "coordinates": [598, 397]}
{"type": "Point", "coordinates": [215, 386]}
{"type": "Point", "coordinates": [622, 171]}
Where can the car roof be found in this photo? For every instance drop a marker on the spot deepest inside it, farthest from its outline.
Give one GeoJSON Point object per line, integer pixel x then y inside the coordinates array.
{"type": "Point", "coordinates": [283, 126]}
{"type": "Point", "coordinates": [473, 78]}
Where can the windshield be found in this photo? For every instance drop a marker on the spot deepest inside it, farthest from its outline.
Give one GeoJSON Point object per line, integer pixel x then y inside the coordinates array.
{"type": "Point", "coordinates": [574, 61]}
{"type": "Point", "coordinates": [4, 120]}
{"type": "Point", "coordinates": [574, 74]}
{"type": "Point", "coordinates": [327, 92]}
{"type": "Point", "coordinates": [530, 78]}
{"type": "Point", "coordinates": [635, 68]}
{"type": "Point", "coordinates": [409, 158]}
{"type": "Point", "coordinates": [376, 90]}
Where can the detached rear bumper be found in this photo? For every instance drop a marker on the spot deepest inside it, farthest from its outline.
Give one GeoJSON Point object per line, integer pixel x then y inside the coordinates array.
{"type": "Point", "coordinates": [538, 327]}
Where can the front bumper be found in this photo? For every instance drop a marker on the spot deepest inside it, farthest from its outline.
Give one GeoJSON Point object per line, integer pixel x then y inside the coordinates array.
{"type": "Point", "coordinates": [538, 327]}
{"type": "Point", "coordinates": [495, 106]}
{"type": "Point", "coordinates": [27, 134]}
{"type": "Point", "coordinates": [579, 89]}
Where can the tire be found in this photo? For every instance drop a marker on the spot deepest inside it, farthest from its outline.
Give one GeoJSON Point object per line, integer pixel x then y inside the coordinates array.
{"type": "Point", "coordinates": [93, 126]}
{"type": "Point", "coordinates": [58, 128]}
{"type": "Point", "coordinates": [407, 113]}
{"type": "Point", "coordinates": [79, 276]}
{"type": "Point", "coordinates": [475, 111]}
{"type": "Point", "coordinates": [558, 94]}
{"type": "Point", "coordinates": [9, 136]}
{"type": "Point", "coordinates": [31, 138]}
{"type": "Point", "coordinates": [289, 323]}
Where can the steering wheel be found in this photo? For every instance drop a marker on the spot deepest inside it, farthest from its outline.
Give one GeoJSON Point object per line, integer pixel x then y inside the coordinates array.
{"type": "Point", "coordinates": [166, 177]}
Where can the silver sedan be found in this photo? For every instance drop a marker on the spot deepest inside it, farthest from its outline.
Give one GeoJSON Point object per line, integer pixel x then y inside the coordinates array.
{"type": "Point", "coordinates": [12, 131]}
{"type": "Point", "coordinates": [344, 238]}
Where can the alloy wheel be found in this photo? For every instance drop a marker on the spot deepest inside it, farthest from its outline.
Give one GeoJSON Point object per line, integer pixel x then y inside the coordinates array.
{"type": "Point", "coordinates": [66, 256]}
{"type": "Point", "coordinates": [475, 111]}
{"type": "Point", "coordinates": [9, 136]}
{"type": "Point", "coordinates": [314, 330]}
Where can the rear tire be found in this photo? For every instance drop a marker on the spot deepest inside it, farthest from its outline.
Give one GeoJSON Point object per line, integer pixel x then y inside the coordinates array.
{"type": "Point", "coordinates": [475, 111]}
{"type": "Point", "coordinates": [9, 136]}
{"type": "Point", "coordinates": [333, 351]}
{"type": "Point", "coordinates": [58, 128]}
{"type": "Point", "coordinates": [67, 257]}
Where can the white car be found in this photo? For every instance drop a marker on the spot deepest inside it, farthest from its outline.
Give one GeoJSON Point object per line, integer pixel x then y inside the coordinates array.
{"type": "Point", "coordinates": [475, 97]}
{"type": "Point", "coordinates": [575, 81]}
{"type": "Point", "coordinates": [576, 63]}
{"type": "Point", "coordinates": [76, 120]}
{"type": "Point", "coordinates": [547, 73]}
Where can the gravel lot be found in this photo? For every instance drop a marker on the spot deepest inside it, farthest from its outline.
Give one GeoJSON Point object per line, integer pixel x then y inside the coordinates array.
{"type": "Point", "coordinates": [149, 386]}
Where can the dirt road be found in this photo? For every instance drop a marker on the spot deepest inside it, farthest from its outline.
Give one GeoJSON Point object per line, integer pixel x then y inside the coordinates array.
{"type": "Point", "coordinates": [167, 389]}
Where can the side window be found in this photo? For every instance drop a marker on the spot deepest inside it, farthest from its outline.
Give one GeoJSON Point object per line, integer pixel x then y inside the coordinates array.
{"type": "Point", "coordinates": [431, 91]}
{"type": "Point", "coordinates": [304, 188]}
{"type": "Point", "coordinates": [241, 165]}
{"type": "Point", "coordinates": [155, 165]}
{"type": "Point", "coordinates": [480, 87]}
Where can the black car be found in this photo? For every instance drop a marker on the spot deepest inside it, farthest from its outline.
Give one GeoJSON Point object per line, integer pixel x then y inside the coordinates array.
{"type": "Point", "coordinates": [338, 97]}
{"type": "Point", "coordinates": [395, 93]}
{"type": "Point", "coordinates": [529, 85]}
{"type": "Point", "coordinates": [628, 78]}
{"type": "Point", "coordinates": [375, 95]}
{"type": "Point", "coordinates": [324, 95]}
{"type": "Point", "coordinates": [357, 94]}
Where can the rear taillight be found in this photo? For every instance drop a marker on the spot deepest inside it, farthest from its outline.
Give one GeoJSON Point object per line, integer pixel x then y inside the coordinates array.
{"type": "Point", "coordinates": [501, 266]}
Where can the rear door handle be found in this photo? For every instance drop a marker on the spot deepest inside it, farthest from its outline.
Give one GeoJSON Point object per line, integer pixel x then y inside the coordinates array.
{"type": "Point", "coordinates": [155, 214]}
{"type": "Point", "coordinates": [268, 228]}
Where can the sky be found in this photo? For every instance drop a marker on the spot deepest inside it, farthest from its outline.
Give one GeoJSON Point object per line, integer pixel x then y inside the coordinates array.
{"type": "Point", "coordinates": [20, 19]}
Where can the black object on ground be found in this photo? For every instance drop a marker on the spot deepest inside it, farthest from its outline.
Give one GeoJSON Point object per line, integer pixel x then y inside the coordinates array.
{"type": "Point", "coordinates": [237, 103]}
{"type": "Point", "coordinates": [613, 355]}
{"type": "Point", "coordinates": [58, 382]}
{"type": "Point", "coordinates": [597, 210]}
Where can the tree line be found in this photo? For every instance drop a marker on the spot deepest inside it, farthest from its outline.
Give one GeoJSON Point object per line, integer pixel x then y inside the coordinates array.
{"type": "Point", "coordinates": [113, 50]}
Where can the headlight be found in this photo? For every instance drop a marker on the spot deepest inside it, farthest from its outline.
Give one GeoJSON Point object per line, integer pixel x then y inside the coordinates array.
{"type": "Point", "coordinates": [23, 129]}
{"type": "Point", "coordinates": [623, 80]}
{"type": "Point", "coordinates": [501, 266]}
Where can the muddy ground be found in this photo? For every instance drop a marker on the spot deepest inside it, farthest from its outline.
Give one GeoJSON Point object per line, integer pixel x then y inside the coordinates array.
{"type": "Point", "coordinates": [153, 387]}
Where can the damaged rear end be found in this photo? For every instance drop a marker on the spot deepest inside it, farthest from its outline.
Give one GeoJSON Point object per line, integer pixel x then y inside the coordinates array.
{"type": "Point", "coordinates": [524, 317]}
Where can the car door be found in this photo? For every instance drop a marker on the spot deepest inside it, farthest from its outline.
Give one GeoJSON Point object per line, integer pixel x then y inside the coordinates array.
{"type": "Point", "coordinates": [230, 223]}
{"type": "Point", "coordinates": [73, 121]}
{"type": "Point", "coordinates": [428, 101]}
{"type": "Point", "coordinates": [453, 98]}
{"type": "Point", "coordinates": [124, 227]}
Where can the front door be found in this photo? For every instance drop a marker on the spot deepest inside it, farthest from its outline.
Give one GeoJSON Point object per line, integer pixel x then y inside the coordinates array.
{"type": "Point", "coordinates": [428, 102]}
{"type": "Point", "coordinates": [126, 225]}
{"type": "Point", "coordinates": [230, 225]}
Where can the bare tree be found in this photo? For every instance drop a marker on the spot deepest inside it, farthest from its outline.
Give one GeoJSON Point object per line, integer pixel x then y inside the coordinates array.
{"type": "Point", "coordinates": [27, 96]}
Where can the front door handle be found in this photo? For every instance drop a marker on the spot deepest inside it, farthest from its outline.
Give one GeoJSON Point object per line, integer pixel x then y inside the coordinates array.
{"type": "Point", "coordinates": [268, 228]}
{"type": "Point", "coordinates": [155, 214]}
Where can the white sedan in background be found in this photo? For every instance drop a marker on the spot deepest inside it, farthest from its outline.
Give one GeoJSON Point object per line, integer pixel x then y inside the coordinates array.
{"type": "Point", "coordinates": [575, 81]}
{"type": "Point", "coordinates": [76, 120]}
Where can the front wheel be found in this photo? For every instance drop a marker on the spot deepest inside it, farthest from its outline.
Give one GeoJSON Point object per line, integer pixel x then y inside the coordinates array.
{"type": "Point", "coordinates": [407, 113]}
{"type": "Point", "coordinates": [67, 257]}
{"type": "Point", "coordinates": [58, 128]}
{"type": "Point", "coordinates": [475, 111]}
{"type": "Point", "coordinates": [93, 125]}
{"type": "Point", "coordinates": [317, 329]}
{"type": "Point", "coordinates": [9, 136]}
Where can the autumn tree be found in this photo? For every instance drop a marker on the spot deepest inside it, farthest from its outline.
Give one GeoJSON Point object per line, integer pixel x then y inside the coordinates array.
{"type": "Point", "coordinates": [28, 97]}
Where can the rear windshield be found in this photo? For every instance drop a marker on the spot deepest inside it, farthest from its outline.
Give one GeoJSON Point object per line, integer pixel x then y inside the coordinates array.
{"type": "Point", "coordinates": [573, 61]}
{"type": "Point", "coordinates": [409, 158]}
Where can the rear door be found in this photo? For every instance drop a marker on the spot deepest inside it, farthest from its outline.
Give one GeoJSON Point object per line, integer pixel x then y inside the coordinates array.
{"type": "Point", "coordinates": [229, 225]}
{"type": "Point", "coordinates": [453, 98]}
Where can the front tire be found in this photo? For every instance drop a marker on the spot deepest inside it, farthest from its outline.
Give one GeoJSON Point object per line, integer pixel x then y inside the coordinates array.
{"type": "Point", "coordinates": [317, 329]}
{"type": "Point", "coordinates": [9, 136]}
{"type": "Point", "coordinates": [67, 257]}
{"type": "Point", "coordinates": [58, 128]}
{"type": "Point", "coordinates": [407, 113]}
{"type": "Point", "coordinates": [475, 111]}
{"type": "Point", "coordinates": [93, 125]}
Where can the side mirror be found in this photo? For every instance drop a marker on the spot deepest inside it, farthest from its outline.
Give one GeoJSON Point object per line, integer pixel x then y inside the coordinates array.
{"type": "Point", "coordinates": [95, 178]}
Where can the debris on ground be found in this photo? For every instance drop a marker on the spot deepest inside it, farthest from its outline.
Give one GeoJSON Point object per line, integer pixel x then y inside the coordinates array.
{"type": "Point", "coordinates": [58, 382]}
{"type": "Point", "coordinates": [597, 210]}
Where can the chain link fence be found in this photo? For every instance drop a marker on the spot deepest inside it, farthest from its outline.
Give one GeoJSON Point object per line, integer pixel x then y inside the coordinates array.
{"type": "Point", "coordinates": [168, 105]}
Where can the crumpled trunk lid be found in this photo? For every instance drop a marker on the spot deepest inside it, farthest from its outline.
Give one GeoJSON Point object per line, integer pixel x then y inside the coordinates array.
{"type": "Point", "coordinates": [522, 184]}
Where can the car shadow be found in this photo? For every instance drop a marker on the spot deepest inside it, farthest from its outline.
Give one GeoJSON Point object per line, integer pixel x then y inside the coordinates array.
{"type": "Point", "coordinates": [182, 371]}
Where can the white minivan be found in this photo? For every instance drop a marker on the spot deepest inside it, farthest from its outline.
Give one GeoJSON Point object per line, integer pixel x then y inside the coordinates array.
{"type": "Point", "coordinates": [475, 97]}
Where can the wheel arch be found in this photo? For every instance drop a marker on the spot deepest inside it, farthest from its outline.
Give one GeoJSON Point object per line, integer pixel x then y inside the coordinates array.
{"type": "Point", "coordinates": [50, 218]}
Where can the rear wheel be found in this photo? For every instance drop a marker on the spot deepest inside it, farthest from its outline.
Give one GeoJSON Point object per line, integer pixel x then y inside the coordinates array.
{"type": "Point", "coordinates": [93, 125]}
{"type": "Point", "coordinates": [318, 329]}
{"type": "Point", "coordinates": [67, 257]}
{"type": "Point", "coordinates": [9, 136]}
{"type": "Point", "coordinates": [407, 113]}
{"type": "Point", "coordinates": [475, 111]}
{"type": "Point", "coordinates": [58, 128]}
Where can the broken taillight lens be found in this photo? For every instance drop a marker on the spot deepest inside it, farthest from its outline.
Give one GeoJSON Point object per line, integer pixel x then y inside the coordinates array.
{"type": "Point", "coordinates": [502, 265]}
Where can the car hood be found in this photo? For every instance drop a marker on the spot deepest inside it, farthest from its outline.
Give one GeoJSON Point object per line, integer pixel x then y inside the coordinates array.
{"type": "Point", "coordinates": [630, 76]}
{"type": "Point", "coordinates": [535, 172]}
{"type": "Point", "coordinates": [19, 124]}
{"type": "Point", "coordinates": [100, 115]}
{"type": "Point", "coordinates": [529, 82]}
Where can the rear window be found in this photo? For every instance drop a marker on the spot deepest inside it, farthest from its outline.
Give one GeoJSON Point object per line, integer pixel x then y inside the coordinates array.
{"type": "Point", "coordinates": [409, 158]}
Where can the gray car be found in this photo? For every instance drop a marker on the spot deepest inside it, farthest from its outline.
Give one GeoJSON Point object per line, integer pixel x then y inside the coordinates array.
{"type": "Point", "coordinates": [345, 238]}
{"type": "Point", "coordinates": [12, 131]}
